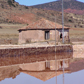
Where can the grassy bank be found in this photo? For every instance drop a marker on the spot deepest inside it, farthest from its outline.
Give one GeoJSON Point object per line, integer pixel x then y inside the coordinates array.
{"type": "Point", "coordinates": [9, 33]}
{"type": "Point", "coordinates": [76, 34]}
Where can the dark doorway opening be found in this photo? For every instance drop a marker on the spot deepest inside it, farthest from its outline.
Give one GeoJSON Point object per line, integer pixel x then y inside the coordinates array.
{"type": "Point", "coordinates": [61, 63]}
{"type": "Point", "coordinates": [47, 35]}
{"type": "Point", "coordinates": [61, 35]}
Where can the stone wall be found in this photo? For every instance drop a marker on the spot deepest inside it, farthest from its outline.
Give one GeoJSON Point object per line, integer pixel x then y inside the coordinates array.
{"type": "Point", "coordinates": [78, 48]}
{"type": "Point", "coordinates": [33, 50]}
{"type": "Point", "coordinates": [78, 51]}
{"type": "Point", "coordinates": [31, 36]}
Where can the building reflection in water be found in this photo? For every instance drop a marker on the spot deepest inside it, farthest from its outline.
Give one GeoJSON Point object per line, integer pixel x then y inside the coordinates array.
{"type": "Point", "coordinates": [46, 69]}
{"type": "Point", "coordinates": [46, 65]}
{"type": "Point", "coordinates": [43, 68]}
{"type": "Point", "coordinates": [40, 66]}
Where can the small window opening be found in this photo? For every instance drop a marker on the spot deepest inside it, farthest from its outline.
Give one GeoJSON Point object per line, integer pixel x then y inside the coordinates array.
{"type": "Point", "coordinates": [19, 31]}
{"type": "Point", "coordinates": [47, 65]}
{"type": "Point", "coordinates": [47, 35]}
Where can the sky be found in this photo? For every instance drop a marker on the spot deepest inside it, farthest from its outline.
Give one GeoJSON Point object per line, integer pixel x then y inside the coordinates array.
{"type": "Point", "coordinates": [35, 2]}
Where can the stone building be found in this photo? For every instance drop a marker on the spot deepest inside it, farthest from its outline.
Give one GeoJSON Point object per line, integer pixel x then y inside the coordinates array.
{"type": "Point", "coordinates": [42, 30]}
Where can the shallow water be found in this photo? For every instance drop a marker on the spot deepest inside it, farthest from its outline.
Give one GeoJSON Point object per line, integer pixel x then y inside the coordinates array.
{"type": "Point", "coordinates": [42, 69]}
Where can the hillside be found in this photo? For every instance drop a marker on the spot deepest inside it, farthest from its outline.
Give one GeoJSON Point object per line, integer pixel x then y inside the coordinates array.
{"type": "Point", "coordinates": [14, 16]}
{"type": "Point", "coordinates": [13, 12]}
{"type": "Point", "coordinates": [70, 6]}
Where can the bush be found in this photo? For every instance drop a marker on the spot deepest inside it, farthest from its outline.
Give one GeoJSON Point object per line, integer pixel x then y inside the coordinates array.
{"type": "Point", "coordinates": [11, 3]}
{"type": "Point", "coordinates": [26, 7]}
{"type": "Point", "coordinates": [70, 20]}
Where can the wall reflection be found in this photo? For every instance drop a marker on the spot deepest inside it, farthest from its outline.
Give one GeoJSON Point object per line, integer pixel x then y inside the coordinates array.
{"type": "Point", "coordinates": [4, 61]}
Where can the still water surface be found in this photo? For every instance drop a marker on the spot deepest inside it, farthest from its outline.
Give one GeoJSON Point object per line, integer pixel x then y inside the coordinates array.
{"type": "Point", "coordinates": [73, 78]}
{"type": "Point", "coordinates": [30, 70]}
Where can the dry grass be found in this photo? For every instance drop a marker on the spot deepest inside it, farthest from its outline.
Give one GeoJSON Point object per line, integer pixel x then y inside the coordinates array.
{"type": "Point", "coordinates": [9, 33]}
{"type": "Point", "coordinates": [10, 29]}
{"type": "Point", "coordinates": [9, 25]}
{"type": "Point", "coordinates": [76, 34]}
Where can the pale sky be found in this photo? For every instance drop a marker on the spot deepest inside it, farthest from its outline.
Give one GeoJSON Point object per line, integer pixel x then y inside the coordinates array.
{"type": "Point", "coordinates": [35, 2]}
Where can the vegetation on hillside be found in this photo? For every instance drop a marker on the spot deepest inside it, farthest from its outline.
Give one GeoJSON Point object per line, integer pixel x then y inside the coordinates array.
{"type": "Point", "coordinates": [73, 5]}
{"type": "Point", "coordinates": [12, 12]}
{"type": "Point", "coordinates": [13, 15]}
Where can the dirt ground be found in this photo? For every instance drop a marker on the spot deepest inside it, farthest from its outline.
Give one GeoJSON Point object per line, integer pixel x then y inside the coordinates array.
{"type": "Point", "coordinates": [76, 34]}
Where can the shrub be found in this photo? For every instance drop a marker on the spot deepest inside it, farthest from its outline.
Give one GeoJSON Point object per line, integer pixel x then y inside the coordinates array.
{"type": "Point", "coordinates": [11, 3]}
{"type": "Point", "coordinates": [26, 7]}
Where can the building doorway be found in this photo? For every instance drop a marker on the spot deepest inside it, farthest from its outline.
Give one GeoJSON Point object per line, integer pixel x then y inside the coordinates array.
{"type": "Point", "coordinates": [47, 35]}
{"type": "Point", "coordinates": [60, 35]}
{"type": "Point", "coordinates": [61, 64]}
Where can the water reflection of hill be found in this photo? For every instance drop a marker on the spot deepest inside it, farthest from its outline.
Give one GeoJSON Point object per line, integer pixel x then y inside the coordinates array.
{"type": "Point", "coordinates": [8, 72]}
{"type": "Point", "coordinates": [76, 65]}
